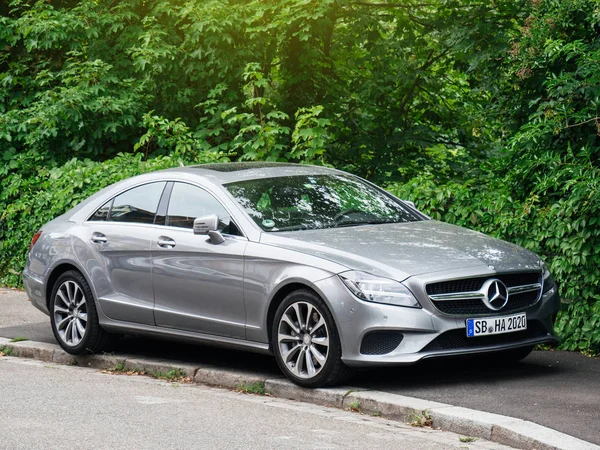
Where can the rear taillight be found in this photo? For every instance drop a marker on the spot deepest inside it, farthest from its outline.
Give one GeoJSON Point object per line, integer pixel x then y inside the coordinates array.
{"type": "Point", "coordinates": [34, 239]}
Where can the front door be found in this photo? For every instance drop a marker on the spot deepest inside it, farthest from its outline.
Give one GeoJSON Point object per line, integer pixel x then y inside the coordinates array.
{"type": "Point", "coordinates": [198, 285]}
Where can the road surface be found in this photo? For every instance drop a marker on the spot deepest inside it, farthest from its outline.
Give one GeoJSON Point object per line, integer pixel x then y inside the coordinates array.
{"type": "Point", "coordinates": [64, 407]}
{"type": "Point", "coordinates": [559, 390]}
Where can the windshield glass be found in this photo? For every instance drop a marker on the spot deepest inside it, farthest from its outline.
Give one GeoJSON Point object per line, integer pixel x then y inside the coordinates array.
{"type": "Point", "coordinates": [307, 202]}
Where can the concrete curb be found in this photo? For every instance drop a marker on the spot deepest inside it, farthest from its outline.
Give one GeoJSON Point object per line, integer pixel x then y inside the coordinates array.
{"type": "Point", "coordinates": [493, 427]}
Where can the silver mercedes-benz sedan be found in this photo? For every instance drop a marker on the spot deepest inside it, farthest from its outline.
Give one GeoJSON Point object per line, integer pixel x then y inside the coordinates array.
{"type": "Point", "coordinates": [321, 268]}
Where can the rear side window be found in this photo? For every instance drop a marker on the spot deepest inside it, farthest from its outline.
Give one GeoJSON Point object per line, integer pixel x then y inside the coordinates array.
{"type": "Point", "coordinates": [102, 213]}
{"type": "Point", "coordinates": [137, 205]}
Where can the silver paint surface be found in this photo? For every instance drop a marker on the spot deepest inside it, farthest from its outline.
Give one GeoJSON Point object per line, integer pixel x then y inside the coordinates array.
{"type": "Point", "coordinates": [224, 293]}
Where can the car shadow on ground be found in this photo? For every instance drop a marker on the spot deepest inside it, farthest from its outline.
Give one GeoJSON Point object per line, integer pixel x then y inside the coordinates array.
{"type": "Point", "coordinates": [203, 355]}
{"type": "Point", "coordinates": [428, 373]}
{"type": "Point", "coordinates": [455, 371]}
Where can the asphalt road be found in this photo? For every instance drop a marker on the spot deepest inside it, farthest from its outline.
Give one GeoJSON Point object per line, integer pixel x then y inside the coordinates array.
{"type": "Point", "coordinates": [64, 407]}
{"type": "Point", "coordinates": [560, 390]}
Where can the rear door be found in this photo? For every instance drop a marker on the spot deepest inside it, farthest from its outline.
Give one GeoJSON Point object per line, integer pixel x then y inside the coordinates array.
{"type": "Point", "coordinates": [121, 234]}
{"type": "Point", "coordinates": [198, 285]}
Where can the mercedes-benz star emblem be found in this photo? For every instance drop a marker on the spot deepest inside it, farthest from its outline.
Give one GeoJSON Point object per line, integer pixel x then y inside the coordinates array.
{"type": "Point", "coordinates": [495, 294]}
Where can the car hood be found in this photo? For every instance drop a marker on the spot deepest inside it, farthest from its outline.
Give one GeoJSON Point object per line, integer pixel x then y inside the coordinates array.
{"type": "Point", "coordinates": [401, 250]}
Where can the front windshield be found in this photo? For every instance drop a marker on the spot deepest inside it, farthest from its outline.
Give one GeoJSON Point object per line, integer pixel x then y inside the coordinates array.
{"type": "Point", "coordinates": [308, 202]}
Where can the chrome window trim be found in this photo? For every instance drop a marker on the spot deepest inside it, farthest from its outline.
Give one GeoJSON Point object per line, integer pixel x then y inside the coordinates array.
{"type": "Point", "coordinates": [165, 180]}
{"type": "Point", "coordinates": [159, 227]}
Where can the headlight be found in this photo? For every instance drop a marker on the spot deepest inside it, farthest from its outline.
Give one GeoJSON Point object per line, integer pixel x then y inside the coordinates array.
{"type": "Point", "coordinates": [379, 290]}
{"type": "Point", "coordinates": [547, 276]}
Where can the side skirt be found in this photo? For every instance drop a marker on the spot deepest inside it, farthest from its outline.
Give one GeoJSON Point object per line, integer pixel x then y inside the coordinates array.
{"type": "Point", "coordinates": [113, 326]}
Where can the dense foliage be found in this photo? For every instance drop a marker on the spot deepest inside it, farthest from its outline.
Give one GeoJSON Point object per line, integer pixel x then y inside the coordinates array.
{"type": "Point", "coordinates": [544, 191]}
{"type": "Point", "coordinates": [483, 113]}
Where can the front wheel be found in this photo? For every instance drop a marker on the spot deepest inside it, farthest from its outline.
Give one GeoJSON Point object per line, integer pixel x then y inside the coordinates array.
{"type": "Point", "coordinates": [74, 317]}
{"type": "Point", "coordinates": [306, 342]}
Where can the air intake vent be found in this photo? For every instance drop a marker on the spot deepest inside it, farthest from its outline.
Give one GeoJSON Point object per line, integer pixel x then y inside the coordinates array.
{"type": "Point", "coordinates": [380, 342]}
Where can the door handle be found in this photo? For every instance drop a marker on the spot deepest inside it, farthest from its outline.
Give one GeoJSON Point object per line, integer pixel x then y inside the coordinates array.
{"type": "Point", "coordinates": [99, 238]}
{"type": "Point", "coordinates": [165, 242]}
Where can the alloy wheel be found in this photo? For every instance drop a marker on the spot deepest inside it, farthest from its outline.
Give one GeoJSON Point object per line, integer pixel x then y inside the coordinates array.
{"type": "Point", "coordinates": [303, 340]}
{"type": "Point", "coordinates": [70, 313]}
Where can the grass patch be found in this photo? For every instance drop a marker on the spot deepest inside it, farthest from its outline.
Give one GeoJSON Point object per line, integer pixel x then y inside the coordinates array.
{"type": "Point", "coordinates": [590, 353]}
{"type": "Point", "coordinates": [544, 347]}
{"type": "Point", "coordinates": [120, 367]}
{"type": "Point", "coordinates": [19, 339]}
{"type": "Point", "coordinates": [354, 406]}
{"type": "Point", "coordinates": [258, 388]}
{"type": "Point", "coordinates": [466, 439]}
{"type": "Point", "coordinates": [173, 375]}
{"type": "Point", "coordinates": [6, 351]}
{"type": "Point", "coordinates": [422, 419]}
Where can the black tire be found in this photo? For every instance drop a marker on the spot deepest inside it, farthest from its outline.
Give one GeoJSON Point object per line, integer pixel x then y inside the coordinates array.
{"type": "Point", "coordinates": [333, 371]}
{"type": "Point", "coordinates": [94, 339]}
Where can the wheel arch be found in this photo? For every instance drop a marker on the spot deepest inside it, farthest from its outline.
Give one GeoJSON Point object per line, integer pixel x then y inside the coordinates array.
{"type": "Point", "coordinates": [282, 292]}
{"type": "Point", "coordinates": [55, 274]}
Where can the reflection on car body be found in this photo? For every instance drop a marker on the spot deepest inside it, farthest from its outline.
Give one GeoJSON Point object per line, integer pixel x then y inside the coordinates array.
{"type": "Point", "coordinates": [326, 271]}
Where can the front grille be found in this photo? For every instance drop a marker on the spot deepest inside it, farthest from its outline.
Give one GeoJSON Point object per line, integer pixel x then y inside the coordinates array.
{"type": "Point", "coordinates": [458, 340]}
{"type": "Point", "coordinates": [380, 342]}
{"type": "Point", "coordinates": [465, 306]}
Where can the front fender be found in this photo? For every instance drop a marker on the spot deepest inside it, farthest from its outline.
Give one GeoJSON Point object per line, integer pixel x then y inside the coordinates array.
{"type": "Point", "coordinates": [267, 272]}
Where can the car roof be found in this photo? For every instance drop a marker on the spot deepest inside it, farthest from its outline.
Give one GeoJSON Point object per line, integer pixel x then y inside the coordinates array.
{"type": "Point", "coordinates": [215, 174]}
{"type": "Point", "coordinates": [223, 173]}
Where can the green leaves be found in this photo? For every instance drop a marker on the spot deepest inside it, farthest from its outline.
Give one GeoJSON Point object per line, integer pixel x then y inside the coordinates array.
{"type": "Point", "coordinates": [310, 136]}
{"type": "Point", "coordinates": [79, 78]}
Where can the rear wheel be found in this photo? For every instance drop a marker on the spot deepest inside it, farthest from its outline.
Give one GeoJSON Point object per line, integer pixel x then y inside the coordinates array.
{"type": "Point", "coordinates": [74, 317]}
{"type": "Point", "coordinates": [306, 342]}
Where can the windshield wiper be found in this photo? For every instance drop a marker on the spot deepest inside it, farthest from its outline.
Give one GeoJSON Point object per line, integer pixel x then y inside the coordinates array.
{"type": "Point", "coordinates": [355, 223]}
{"type": "Point", "coordinates": [289, 228]}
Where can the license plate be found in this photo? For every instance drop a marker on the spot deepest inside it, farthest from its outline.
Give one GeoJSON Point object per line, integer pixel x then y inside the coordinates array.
{"type": "Point", "coordinates": [485, 326]}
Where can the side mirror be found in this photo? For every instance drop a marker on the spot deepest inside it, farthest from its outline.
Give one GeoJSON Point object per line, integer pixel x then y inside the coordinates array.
{"type": "Point", "coordinates": [208, 225]}
{"type": "Point", "coordinates": [202, 225]}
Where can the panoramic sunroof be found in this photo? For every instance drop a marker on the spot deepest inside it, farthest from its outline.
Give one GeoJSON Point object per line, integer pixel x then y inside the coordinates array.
{"type": "Point", "coordinates": [237, 166]}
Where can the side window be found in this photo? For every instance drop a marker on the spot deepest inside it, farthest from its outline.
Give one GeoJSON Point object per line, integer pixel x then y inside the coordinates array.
{"type": "Point", "coordinates": [102, 213]}
{"type": "Point", "coordinates": [189, 202]}
{"type": "Point", "coordinates": [137, 205]}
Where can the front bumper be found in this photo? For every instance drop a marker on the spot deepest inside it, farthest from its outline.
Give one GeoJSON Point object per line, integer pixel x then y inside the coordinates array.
{"type": "Point", "coordinates": [425, 334]}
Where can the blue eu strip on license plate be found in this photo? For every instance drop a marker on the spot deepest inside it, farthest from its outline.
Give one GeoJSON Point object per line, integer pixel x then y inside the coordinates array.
{"type": "Point", "coordinates": [485, 326]}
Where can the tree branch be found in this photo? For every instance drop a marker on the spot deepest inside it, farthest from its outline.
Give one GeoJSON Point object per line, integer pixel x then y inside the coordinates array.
{"type": "Point", "coordinates": [593, 119]}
